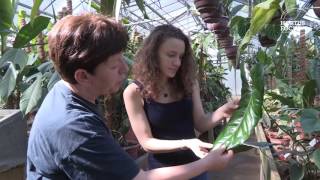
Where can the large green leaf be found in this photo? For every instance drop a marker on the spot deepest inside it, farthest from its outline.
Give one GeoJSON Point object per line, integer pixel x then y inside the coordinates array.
{"type": "Point", "coordinates": [17, 56]}
{"type": "Point", "coordinates": [6, 16]}
{"type": "Point", "coordinates": [296, 171]}
{"type": "Point", "coordinates": [8, 83]}
{"type": "Point", "coordinates": [244, 120]}
{"type": "Point", "coordinates": [316, 157]}
{"type": "Point", "coordinates": [310, 120]}
{"type": "Point", "coordinates": [262, 14]}
{"type": "Point", "coordinates": [29, 31]}
{"type": "Point", "coordinates": [30, 97]}
{"type": "Point", "coordinates": [35, 10]}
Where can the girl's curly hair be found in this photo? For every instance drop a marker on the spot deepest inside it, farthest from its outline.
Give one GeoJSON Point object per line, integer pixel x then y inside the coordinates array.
{"type": "Point", "coordinates": [146, 67]}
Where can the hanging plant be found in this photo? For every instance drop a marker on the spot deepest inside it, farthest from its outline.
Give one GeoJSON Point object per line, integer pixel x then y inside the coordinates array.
{"type": "Point", "coordinates": [249, 113]}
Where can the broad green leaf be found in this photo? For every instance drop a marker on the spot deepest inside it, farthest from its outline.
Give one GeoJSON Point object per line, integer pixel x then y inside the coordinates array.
{"type": "Point", "coordinates": [28, 32]}
{"type": "Point", "coordinates": [8, 83]}
{"type": "Point", "coordinates": [35, 10]}
{"type": "Point", "coordinates": [54, 78]}
{"type": "Point", "coordinates": [17, 56]}
{"type": "Point", "coordinates": [244, 120]}
{"type": "Point", "coordinates": [291, 7]}
{"type": "Point", "coordinates": [310, 120]}
{"type": "Point", "coordinates": [316, 157]}
{"type": "Point", "coordinates": [262, 14]}
{"type": "Point", "coordinates": [296, 171]}
{"type": "Point", "coordinates": [6, 16]}
{"type": "Point", "coordinates": [30, 97]}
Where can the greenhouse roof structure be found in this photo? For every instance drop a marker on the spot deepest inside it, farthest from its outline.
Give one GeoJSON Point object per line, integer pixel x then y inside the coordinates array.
{"type": "Point", "coordinates": [181, 13]}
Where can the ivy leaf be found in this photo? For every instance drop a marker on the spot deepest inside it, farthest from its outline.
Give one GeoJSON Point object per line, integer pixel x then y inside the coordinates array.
{"type": "Point", "coordinates": [244, 120]}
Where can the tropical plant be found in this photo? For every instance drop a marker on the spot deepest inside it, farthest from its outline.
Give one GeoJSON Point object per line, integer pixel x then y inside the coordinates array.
{"type": "Point", "coordinates": [213, 92]}
{"type": "Point", "coordinates": [25, 79]}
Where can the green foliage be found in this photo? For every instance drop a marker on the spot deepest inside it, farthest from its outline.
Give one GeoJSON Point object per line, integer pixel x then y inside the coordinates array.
{"type": "Point", "coordinates": [7, 83]}
{"type": "Point", "coordinates": [212, 91]}
{"type": "Point", "coordinates": [246, 117]}
{"type": "Point", "coordinates": [6, 16]}
{"type": "Point", "coordinates": [29, 31]}
{"type": "Point", "coordinates": [35, 11]}
{"type": "Point", "coordinates": [291, 7]}
{"type": "Point", "coordinates": [240, 25]}
{"type": "Point", "coordinates": [262, 14]}
{"type": "Point", "coordinates": [16, 56]}
{"type": "Point", "coordinates": [31, 96]}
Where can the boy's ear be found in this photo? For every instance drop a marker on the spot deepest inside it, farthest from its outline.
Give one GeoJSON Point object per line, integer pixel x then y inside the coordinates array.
{"type": "Point", "coordinates": [81, 76]}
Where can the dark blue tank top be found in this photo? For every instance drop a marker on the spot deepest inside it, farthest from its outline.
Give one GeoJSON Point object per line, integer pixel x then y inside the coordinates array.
{"type": "Point", "coordinates": [170, 121]}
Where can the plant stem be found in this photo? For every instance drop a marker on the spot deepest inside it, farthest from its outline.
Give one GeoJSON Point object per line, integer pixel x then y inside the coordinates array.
{"type": "Point", "coordinates": [3, 43]}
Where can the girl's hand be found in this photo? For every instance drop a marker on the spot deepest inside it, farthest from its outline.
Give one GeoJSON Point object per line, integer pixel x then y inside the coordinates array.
{"type": "Point", "coordinates": [199, 148]}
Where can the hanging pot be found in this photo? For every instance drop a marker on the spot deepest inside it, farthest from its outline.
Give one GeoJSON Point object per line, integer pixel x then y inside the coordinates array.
{"type": "Point", "coordinates": [221, 25]}
{"type": "Point", "coordinates": [210, 15]}
{"type": "Point", "coordinates": [231, 51]}
{"type": "Point", "coordinates": [227, 42]}
{"type": "Point", "coordinates": [316, 8]}
{"type": "Point", "coordinates": [265, 41]}
{"type": "Point", "coordinates": [223, 35]}
{"type": "Point", "coordinates": [201, 5]}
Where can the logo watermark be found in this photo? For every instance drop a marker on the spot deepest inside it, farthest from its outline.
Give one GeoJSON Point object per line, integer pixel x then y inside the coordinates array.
{"type": "Point", "coordinates": [291, 25]}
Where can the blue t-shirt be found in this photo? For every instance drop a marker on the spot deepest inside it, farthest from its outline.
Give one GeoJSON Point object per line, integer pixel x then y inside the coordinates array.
{"type": "Point", "coordinates": [69, 140]}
